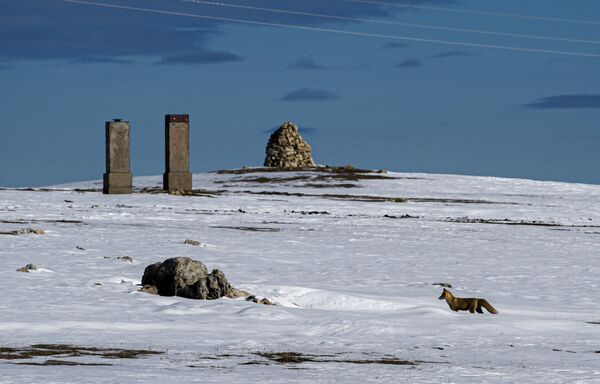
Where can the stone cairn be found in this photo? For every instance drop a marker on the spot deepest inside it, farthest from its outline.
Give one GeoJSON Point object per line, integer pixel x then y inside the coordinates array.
{"type": "Point", "coordinates": [287, 149]}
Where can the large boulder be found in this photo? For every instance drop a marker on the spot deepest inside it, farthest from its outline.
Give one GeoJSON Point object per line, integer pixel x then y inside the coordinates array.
{"type": "Point", "coordinates": [287, 149]}
{"type": "Point", "coordinates": [185, 277]}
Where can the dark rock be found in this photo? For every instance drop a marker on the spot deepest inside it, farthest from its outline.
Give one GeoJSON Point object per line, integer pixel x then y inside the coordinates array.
{"type": "Point", "coordinates": [27, 268]}
{"type": "Point", "coordinates": [263, 301]}
{"type": "Point", "coordinates": [184, 277]}
{"type": "Point", "coordinates": [192, 242]}
{"type": "Point", "coordinates": [407, 216]}
{"type": "Point", "coordinates": [125, 258]}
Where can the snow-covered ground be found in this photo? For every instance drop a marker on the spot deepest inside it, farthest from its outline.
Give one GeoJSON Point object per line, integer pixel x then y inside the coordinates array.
{"type": "Point", "coordinates": [352, 277]}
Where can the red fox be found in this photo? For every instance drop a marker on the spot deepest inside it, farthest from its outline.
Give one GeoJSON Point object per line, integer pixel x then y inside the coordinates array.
{"type": "Point", "coordinates": [466, 304]}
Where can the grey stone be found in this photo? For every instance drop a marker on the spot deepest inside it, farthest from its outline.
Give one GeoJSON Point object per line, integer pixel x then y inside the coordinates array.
{"type": "Point", "coordinates": [151, 289]}
{"type": "Point", "coordinates": [184, 277]}
{"type": "Point", "coordinates": [192, 242]}
{"type": "Point", "coordinates": [177, 176]}
{"type": "Point", "coordinates": [28, 231]}
{"type": "Point", "coordinates": [117, 183]}
{"type": "Point", "coordinates": [217, 285]}
{"type": "Point", "coordinates": [263, 301]}
{"type": "Point", "coordinates": [287, 149]}
{"type": "Point", "coordinates": [27, 268]}
{"type": "Point", "coordinates": [237, 293]}
{"type": "Point", "coordinates": [118, 178]}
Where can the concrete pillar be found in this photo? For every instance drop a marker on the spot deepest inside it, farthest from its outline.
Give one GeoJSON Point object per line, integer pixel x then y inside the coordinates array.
{"type": "Point", "coordinates": [177, 177]}
{"type": "Point", "coordinates": [118, 178]}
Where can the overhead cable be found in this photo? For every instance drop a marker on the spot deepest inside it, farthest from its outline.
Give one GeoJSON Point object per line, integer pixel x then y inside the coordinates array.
{"type": "Point", "coordinates": [328, 30]}
{"type": "Point", "coordinates": [475, 12]}
{"type": "Point", "coordinates": [393, 23]}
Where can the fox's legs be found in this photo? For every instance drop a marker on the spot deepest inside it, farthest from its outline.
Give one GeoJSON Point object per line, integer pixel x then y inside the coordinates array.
{"type": "Point", "coordinates": [473, 306]}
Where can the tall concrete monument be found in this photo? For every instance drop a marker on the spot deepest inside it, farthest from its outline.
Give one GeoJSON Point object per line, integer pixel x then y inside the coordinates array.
{"type": "Point", "coordinates": [177, 177]}
{"type": "Point", "coordinates": [118, 178]}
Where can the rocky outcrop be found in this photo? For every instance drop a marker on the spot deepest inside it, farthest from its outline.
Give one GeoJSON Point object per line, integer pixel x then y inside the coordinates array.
{"type": "Point", "coordinates": [27, 268]}
{"type": "Point", "coordinates": [287, 149]}
{"type": "Point", "coordinates": [185, 277]}
{"type": "Point", "coordinates": [25, 231]}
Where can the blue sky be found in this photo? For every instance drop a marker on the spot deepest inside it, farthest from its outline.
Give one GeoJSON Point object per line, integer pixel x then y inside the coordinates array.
{"type": "Point", "coordinates": [371, 101]}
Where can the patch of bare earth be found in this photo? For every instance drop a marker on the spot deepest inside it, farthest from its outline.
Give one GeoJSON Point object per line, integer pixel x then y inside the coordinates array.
{"type": "Point", "coordinates": [326, 169]}
{"type": "Point", "coordinates": [29, 355]}
{"type": "Point", "coordinates": [250, 229]}
{"type": "Point", "coordinates": [535, 223]}
{"type": "Point", "coordinates": [299, 358]}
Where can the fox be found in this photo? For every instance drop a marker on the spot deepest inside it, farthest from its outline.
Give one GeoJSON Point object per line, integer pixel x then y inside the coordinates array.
{"type": "Point", "coordinates": [466, 304]}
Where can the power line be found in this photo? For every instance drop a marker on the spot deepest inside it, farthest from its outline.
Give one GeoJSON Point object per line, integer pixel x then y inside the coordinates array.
{"type": "Point", "coordinates": [473, 12]}
{"type": "Point", "coordinates": [395, 23]}
{"type": "Point", "coordinates": [338, 31]}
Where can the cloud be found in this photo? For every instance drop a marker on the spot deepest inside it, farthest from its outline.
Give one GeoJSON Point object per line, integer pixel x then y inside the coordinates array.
{"type": "Point", "coordinates": [393, 45]}
{"type": "Point", "coordinates": [307, 63]}
{"type": "Point", "coordinates": [100, 60]}
{"type": "Point", "coordinates": [573, 101]}
{"type": "Point", "coordinates": [444, 55]}
{"type": "Point", "coordinates": [75, 33]}
{"type": "Point", "coordinates": [200, 56]}
{"type": "Point", "coordinates": [415, 62]}
{"type": "Point", "coordinates": [33, 30]}
{"type": "Point", "coordinates": [309, 94]}
{"type": "Point", "coordinates": [409, 63]}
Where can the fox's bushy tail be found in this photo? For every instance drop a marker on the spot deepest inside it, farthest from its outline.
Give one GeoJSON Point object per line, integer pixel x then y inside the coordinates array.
{"type": "Point", "coordinates": [488, 306]}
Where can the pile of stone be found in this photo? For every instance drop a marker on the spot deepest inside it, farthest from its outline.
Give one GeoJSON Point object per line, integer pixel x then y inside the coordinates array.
{"type": "Point", "coordinates": [287, 149]}
{"type": "Point", "coordinates": [27, 268]}
{"type": "Point", "coordinates": [27, 231]}
{"type": "Point", "coordinates": [185, 277]}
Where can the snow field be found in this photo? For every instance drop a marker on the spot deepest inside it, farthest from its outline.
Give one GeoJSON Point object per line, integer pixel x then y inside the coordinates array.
{"type": "Point", "coordinates": [348, 281]}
